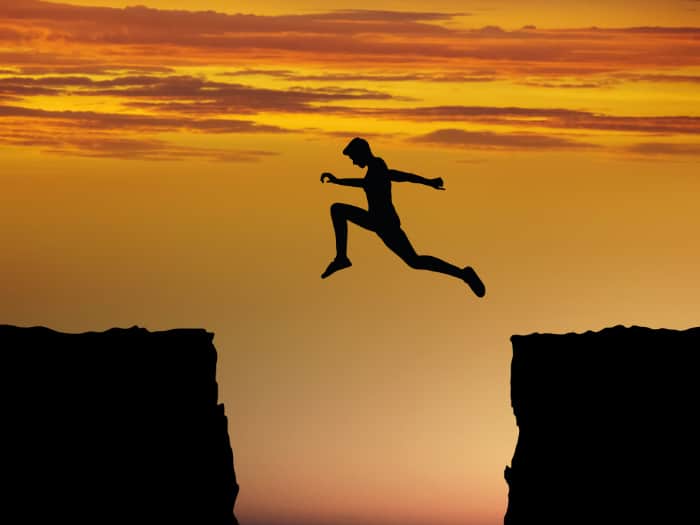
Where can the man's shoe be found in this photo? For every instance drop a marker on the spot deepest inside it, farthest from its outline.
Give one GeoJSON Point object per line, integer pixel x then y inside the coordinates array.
{"type": "Point", "coordinates": [335, 265]}
{"type": "Point", "coordinates": [472, 279]}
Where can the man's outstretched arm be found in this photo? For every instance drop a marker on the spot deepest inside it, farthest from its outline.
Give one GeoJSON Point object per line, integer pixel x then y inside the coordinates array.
{"type": "Point", "coordinates": [357, 183]}
{"type": "Point", "coordinates": [401, 176]}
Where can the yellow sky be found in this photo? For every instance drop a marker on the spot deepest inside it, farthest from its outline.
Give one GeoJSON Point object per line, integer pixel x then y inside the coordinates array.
{"type": "Point", "coordinates": [162, 170]}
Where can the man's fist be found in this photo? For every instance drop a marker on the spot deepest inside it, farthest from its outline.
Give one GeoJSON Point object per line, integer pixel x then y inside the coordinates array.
{"type": "Point", "coordinates": [329, 176]}
{"type": "Point", "coordinates": [437, 183]}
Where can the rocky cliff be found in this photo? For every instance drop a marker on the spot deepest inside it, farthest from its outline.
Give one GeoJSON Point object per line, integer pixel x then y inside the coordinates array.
{"type": "Point", "coordinates": [607, 427]}
{"type": "Point", "coordinates": [122, 426]}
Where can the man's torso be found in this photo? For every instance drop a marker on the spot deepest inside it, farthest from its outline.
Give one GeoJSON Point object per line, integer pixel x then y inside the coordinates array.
{"type": "Point", "coordinates": [378, 190]}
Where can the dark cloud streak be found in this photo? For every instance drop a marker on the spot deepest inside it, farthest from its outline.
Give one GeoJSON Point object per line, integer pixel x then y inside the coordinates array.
{"type": "Point", "coordinates": [92, 121]}
{"type": "Point", "coordinates": [536, 117]}
{"type": "Point", "coordinates": [148, 25]}
{"type": "Point", "coordinates": [187, 93]}
{"type": "Point", "coordinates": [99, 144]}
{"type": "Point", "coordinates": [369, 77]}
{"type": "Point", "coordinates": [664, 149]}
{"type": "Point", "coordinates": [339, 36]}
{"type": "Point", "coordinates": [498, 141]}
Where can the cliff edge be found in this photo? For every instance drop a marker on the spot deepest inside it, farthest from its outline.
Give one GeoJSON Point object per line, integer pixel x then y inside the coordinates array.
{"type": "Point", "coordinates": [122, 426]}
{"type": "Point", "coordinates": [607, 427]}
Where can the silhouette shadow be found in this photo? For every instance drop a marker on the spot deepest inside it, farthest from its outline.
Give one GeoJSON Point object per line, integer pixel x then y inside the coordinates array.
{"type": "Point", "coordinates": [115, 427]}
{"type": "Point", "coordinates": [381, 218]}
{"type": "Point", "coordinates": [607, 430]}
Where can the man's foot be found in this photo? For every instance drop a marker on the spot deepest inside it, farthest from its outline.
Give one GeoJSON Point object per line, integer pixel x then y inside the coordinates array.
{"type": "Point", "coordinates": [335, 265]}
{"type": "Point", "coordinates": [472, 279]}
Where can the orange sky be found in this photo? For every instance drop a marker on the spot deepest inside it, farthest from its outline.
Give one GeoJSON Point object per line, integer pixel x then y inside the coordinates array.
{"type": "Point", "coordinates": [160, 168]}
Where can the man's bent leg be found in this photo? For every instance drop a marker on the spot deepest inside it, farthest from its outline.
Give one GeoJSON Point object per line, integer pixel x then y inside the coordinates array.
{"type": "Point", "coordinates": [340, 215]}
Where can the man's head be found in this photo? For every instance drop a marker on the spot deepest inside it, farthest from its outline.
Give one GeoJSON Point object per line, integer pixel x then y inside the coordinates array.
{"type": "Point", "coordinates": [358, 150]}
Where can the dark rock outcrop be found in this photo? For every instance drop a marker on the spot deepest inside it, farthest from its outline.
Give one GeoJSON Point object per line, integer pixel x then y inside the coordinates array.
{"type": "Point", "coordinates": [607, 427]}
{"type": "Point", "coordinates": [122, 426]}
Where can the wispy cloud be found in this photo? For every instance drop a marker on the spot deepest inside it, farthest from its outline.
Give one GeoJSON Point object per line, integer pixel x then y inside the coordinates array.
{"type": "Point", "coordinates": [122, 136]}
{"type": "Point", "coordinates": [87, 67]}
{"type": "Point", "coordinates": [382, 37]}
{"type": "Point", "coordinates": [186, 93]}
{"type": "Point", "coordinates": [475, 76]}
{"type": "Point", "coordinates": [118, 121]}
{"type": "Point", "coordinates": [499, 141]}
{"type": "Point", "coordinates": [571, 85]}
{"type": "Point", "coordinates": [144, 25]}
{"type": "Point", "coordinates": [106, 145]}
{"type": "Point", "coordinates": [558, 118]}
{"type": "Point", "coordinates": [613, 80]}
{"type": "Point", "coordinates": [662, 77]}
{"type": "Point", "coordinates": [347, 66]}
{"type": "Point", "coordinates": [664, 149]}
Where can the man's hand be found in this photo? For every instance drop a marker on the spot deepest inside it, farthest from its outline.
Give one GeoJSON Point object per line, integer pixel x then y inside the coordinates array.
{"type": "Point", "coordinates": [329, 176]}
{"type": "Point", "coordinates": [436, 183]}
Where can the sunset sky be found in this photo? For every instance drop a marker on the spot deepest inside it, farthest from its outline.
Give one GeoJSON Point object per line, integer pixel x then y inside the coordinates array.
{"type": "Point", "coordinates": [159, 166]}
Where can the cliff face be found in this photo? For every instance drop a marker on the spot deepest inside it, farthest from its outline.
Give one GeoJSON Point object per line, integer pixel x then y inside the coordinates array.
{"type": "Point", "coordinates": [606, 427]}
{"type": "Point", "coordinates": [122, 426]}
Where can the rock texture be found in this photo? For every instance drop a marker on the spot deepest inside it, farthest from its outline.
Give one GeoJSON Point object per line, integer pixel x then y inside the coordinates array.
{"type": "Point", "coordinates": [121, 426]}
{"type": "Point", "coordinates": [607, 427]}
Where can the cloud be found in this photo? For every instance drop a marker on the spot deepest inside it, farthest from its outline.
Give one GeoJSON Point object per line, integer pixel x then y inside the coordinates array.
{"type": "Point", "coordinates": [498, 141]}
{"type": "Point", "coordinates": [613, 80]}
{"type": "Point", "coordinates": [95, 121]}
{"type": "Point", "coordinates": [187, 94]}
{"type": "Point", "coordinates": [571, 85]}
{"type": "Point", "coordinates": [662, 77]}
{"type": "Point", "coordinates": [100, 144]}
{"type": "Point", "coordinates": [88, 68]}
{"type": "Point", "coordinates": [140, 24]}
{"type": "Point", "coordinates": [45, 60]}
{"type": "Point", "coordinates": [17, 90]}
{"type": "Point", "coordinates": [384, 15]}
{"type": "Point", "coordinates": [691, 31]}
{"type": "Point", "coordinates": [664, 149]}
{"type": "Point", "coordinates": [476, 76]}
{"type": "Point", "coordinates": [557, 118]}
{"type": "Point", "coordinates": [141, 60]}
{"type": "Point", "coordinates": [148, 36]}
{"type": "Point", "coordinates": [348, 134]}
{"type": "Point", "coordinates": [488, 140]}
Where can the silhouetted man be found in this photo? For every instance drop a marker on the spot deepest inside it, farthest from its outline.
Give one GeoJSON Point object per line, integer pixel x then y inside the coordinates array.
{"type": "Point", "coordinates": [381, 217]}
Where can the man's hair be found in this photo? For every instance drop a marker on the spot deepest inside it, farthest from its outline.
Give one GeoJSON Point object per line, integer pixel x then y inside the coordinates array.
{"type": "Point", "coordinates": [357, 145]}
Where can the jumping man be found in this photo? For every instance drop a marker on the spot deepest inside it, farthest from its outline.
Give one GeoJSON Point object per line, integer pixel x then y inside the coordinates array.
{"type": "Point", "coordinates": [381, 217]}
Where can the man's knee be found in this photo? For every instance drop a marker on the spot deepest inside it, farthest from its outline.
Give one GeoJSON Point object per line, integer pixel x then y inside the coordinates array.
{"type": "Point", "coordinates": [336, 209]}
{"type": "Point", "coordinates": [413, 261]}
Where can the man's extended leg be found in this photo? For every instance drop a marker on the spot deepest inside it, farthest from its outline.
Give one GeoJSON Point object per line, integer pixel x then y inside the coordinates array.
{"type": "Point", "coordinates": [397, 241]}
{"type": "Point", "coordinates": [341, 214]}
